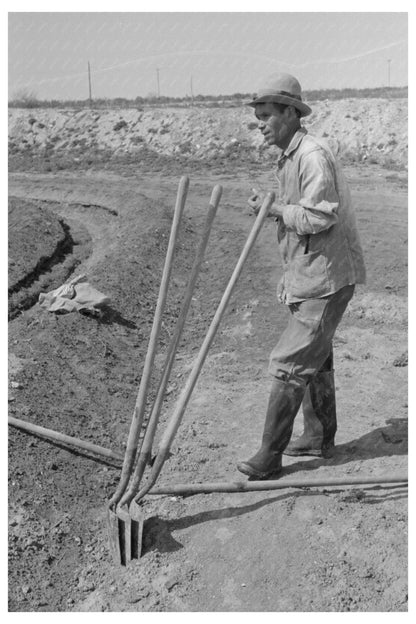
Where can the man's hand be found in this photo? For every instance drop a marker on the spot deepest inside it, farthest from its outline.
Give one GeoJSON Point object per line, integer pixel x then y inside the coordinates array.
{"type": "Point", "coordinates": [255, 202]}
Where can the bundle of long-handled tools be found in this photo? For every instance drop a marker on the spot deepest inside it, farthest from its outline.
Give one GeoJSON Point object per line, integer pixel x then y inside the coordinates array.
{"type": "Point", "coordinates": [124, 515]}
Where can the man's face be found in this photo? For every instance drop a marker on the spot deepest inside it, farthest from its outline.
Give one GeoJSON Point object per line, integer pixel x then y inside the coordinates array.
{"type": "Point", "coordinates": [277, 128]}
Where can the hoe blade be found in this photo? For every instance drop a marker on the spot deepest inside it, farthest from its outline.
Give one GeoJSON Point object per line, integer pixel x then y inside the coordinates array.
{"type": "Point", "coordinates": [136, 530]}
{"type": "Point", "coordinates": [125, 531]}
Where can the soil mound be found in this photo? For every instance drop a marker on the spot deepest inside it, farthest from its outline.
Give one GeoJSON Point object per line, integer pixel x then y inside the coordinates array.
{"type": "Point", "coordinates": [35, 236]}
{"type": "Point", "coordinates": [373, 130]}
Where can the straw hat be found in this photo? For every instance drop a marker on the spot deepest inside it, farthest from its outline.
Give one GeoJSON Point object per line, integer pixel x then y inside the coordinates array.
{"type": "Point", "coordinates": [283, 89]}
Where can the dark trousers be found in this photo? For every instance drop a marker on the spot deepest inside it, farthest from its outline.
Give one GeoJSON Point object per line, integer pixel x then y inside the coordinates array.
{"type": "Point", "coordinates": [306, 344]}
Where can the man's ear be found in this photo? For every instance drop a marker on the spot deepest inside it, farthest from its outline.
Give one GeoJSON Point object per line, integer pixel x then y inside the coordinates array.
{"type": "Point", "coordinates": [291, 111]}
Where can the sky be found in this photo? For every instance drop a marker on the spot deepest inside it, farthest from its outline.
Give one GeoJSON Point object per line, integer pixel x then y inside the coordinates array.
{"type": "Point", "coordinates": [181, 53]}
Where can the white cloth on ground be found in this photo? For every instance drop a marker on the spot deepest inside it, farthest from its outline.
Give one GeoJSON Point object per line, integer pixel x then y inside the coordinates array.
{"type": "Point", "coordinates": [75, 296]}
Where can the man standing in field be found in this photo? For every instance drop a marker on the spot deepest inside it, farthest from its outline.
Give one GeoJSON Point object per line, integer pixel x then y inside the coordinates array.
{"type": "Point", "coordinates": [322, 261]}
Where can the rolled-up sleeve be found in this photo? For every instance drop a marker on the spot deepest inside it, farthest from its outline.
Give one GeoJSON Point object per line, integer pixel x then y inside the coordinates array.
{"type": "Point", "coordinates": [318, 203]}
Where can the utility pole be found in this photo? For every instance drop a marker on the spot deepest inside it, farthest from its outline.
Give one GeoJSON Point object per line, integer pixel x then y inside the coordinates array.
{"type": "Point", "coordinates": [158, 83]}
{"type": "Point", "coordinates": [192, 92]}
{"type": "Point", "coordinates": [388, 72]}
{"type": "Point", "coordinates": [89, 84]}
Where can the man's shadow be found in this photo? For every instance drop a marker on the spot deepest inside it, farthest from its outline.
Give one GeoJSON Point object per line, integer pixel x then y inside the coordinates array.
{"type": "Point", "coordinates": [381, 442]}
{"type": "Point", "coordinates": [158, 533]}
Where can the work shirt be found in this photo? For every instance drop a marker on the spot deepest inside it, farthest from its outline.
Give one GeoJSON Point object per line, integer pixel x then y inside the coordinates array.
{"type": "Point", "coordinates": [317, 235]}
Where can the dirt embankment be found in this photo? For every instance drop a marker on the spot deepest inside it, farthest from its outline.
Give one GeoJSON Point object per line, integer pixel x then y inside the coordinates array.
{"type": "Point", "coordinates": [373, 130]}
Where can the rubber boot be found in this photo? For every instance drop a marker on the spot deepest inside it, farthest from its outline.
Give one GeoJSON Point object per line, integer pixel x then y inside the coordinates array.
{"type": "Point", "coordinates": [284, 402]}
{"type": "Point", "coordinates": [319, 418]}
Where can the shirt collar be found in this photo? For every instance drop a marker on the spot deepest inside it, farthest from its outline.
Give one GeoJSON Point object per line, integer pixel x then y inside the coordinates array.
{"type": "Point", "coordinates": [293, 145]}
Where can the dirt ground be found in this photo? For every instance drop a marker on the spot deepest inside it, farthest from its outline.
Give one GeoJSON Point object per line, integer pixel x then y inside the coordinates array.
{"type": "Point", "coordinates": [296, 550]}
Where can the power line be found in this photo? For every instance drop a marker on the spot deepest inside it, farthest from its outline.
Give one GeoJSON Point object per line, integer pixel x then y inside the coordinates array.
{"type": "Point", "coordinates": [158, 82]}
{"type": "Point", "coordinates": [89, 84]}
{"type": "Point", "coordinates": [250, 55]}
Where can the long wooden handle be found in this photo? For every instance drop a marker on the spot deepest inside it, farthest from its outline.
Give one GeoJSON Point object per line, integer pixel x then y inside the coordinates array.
{"type": "Point", "coordinates": [192, 379]}
{"type": "Point", "coordinates": [139, 408]}
{"type": "Point", "coordinates": [146, 449]}
{"type": "Point", "coordinates": [188, 489]}
{"type": "Point", "coordinates": [65, 439]}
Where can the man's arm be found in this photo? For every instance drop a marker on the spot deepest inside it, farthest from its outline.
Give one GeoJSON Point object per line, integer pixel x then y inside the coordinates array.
{"type": "Point", "coordinates": [319, 201]}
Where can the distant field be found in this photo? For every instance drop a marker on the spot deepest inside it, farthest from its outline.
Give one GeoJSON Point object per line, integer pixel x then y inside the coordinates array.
{"type": "Point", "coordinates": [30, 100]}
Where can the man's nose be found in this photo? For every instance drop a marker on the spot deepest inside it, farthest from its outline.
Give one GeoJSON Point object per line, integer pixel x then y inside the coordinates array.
{"type": "Point", "coordinates": [261, 125]}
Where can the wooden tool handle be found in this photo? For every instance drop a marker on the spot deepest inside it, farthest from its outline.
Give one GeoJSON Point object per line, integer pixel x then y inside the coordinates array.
{"type": "Point", "coordinates": [61, 437]}
{"type": "Point", "coordinates": [188, 489]}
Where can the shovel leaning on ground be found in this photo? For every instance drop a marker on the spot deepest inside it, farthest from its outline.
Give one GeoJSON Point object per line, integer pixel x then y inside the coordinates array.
{"type": "Point", "coordinates": [125, 518]}
{"type": "Point", "coordinates": [116, 517]}
{"type": "Point", "coordinates": [125, 526]}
